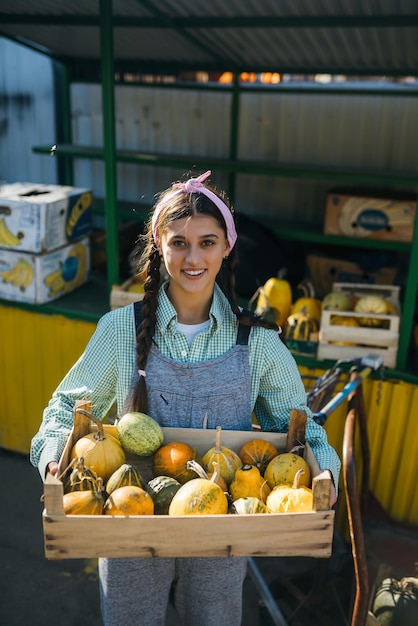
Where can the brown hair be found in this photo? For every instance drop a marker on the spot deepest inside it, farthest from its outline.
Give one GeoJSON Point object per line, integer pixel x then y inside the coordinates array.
{"type": "Point", "coordinates": [178, 206]}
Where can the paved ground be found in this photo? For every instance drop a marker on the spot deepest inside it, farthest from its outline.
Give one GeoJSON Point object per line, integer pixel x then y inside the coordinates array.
{"type": "Point", "coordinates": [36, 591]}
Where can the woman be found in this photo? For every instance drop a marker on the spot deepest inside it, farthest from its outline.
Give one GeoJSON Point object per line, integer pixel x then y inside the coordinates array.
{"type": "Point", "coordinates": [199, 362]}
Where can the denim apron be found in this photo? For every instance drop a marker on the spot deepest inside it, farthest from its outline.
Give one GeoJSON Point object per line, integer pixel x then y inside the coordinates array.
{"type": "Point", "coordinates": [206, 591]}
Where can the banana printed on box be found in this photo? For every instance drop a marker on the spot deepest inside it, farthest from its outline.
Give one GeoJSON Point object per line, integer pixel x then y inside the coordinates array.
{"type": "Point", "coordinates": [40, 278]}
{"type": "Point", "coordinates": [21, 274]}
{"type": "Point", "coordinates": [39, 218]}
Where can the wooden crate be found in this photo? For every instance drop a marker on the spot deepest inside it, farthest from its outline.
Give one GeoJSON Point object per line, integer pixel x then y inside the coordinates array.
{"type": "Point", "coordinates": [119, 296]}
{"type": "Point", "coordinates": [342, 342]}
{"type": "Point", "coordinates": [83, 536]}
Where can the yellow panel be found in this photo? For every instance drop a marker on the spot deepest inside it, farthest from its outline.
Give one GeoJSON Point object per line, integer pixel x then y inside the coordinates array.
{"type": "Point", "coordinates": [36, 352]}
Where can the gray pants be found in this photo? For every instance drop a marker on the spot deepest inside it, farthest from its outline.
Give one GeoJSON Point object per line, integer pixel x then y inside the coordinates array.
{"type": "Point", "coordinates": [206, 591]}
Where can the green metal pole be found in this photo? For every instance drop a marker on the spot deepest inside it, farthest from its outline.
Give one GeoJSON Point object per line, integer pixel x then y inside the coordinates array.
{"type": "Point", "coordinates": [234, 135]}
{"type": "Point", "coordinates": [108, 106]}
{"type": "Point", "coordinates": [66, 114]}
{"type": "Point", "coordinates": [409, 302]}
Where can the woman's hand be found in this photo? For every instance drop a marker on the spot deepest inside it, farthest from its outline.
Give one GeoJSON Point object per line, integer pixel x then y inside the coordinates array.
{"type": "Point", "coordinates": [52, 468]}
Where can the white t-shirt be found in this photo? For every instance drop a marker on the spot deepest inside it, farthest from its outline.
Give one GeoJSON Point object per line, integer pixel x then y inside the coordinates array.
{"type": "Point", "coordinates": [191, 330]}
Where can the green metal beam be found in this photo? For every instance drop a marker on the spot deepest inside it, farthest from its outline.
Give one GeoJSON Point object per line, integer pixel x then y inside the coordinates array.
{"type": "Point", "coordinates": [163, 20]}
{"type": "Point", "coordinates": [265, 168]}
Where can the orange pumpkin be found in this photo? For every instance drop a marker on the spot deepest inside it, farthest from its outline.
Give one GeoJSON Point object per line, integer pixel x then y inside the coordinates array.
{"type": "Point", "coordinates": [129, 500]}
{"type": "Point", "coordinates": [84, 502]}
{"type": "Point", "coordinates": [101, 453]}
{"type": "Point", "coordinates": [171, 460]}
{"type": "Point", "coordinates": [258, 452]}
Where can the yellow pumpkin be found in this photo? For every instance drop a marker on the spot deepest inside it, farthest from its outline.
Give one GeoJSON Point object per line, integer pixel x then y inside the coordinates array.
{"type": "Point", "coordinates": [371, 304]}
{"type": "Point", "coordinates": [307, 303]}
{"type": "Point", "coordinates": [290, 498]}
{"type": "Point", "coordinates": [227, 459]}
{"type": "Point", "coordinates": [199, 496]}
{"type": "Point", "coordinates": [344, 320]}
{"type": "Point", "coordinates": [101, 453]}
{"type": "Point", "coordinates": [248, 482]}
{"type": "Point", "coordinates": [283, 468]}
{"type": "Point", "coordinates": [276, 294]}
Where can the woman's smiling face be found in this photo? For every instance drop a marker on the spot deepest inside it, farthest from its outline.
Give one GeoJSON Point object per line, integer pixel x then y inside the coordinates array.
{"type": "Point", "coordinates": [193, 249]}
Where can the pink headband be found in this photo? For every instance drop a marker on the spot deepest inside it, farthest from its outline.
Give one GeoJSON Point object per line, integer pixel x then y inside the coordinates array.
{"type": "Point", "coordinates": [194, 185]}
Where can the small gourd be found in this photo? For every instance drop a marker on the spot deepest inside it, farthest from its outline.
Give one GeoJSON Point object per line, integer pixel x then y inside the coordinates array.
{"type": "Point", "coordinates": [283, 468]}
{"type": "Point", "coordinates": [125, 475]}
{"type": "Point", "coordinates": [274, 299]}
{"type": "Point", "coordinates": [78, 477]}
{"type": "Point", "coordinates": [371, 304]}
{"type": "Point", "coordinates": [88, 502]}
{"type": "Point", "coordinates": [227, 459]}
{"type": "Point", "coordinates": [139, 433]}
{"type": "Point", "coordinates": [162, 490]}
{"type": "Point", "coordinates": [199, 496]}
{"type": "Point", "coordinates": [248, 506]}
{"type": "Point", "coordinates": [129, 500]}
{"type": "Point", "coordinates": [249, 482]}
{"type": "Point", "coordinates": [300, 326]}
{"type": "Point", "coordinates": [290, 499]}
{"type": "Point", "coordinates": [101, 453]}
{"type": "Point", "coordinates": [307, 303]}
{"type": "Point", "coordinates": [337, 301]}
{"type": "Point", "coordinates": [258, 452]}
{"type": "Point", "coordinates": [171, 460]}
{"type": "Point", "coordinates": [344, 320]}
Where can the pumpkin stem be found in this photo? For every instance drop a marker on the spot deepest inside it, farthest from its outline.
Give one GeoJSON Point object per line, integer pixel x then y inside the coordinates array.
{"type": "Point", "coordinates": [297, 478]}
{"type": "Point", "coordinates": [194, 465]}
{"type": "Point", "coordinates": [261, 490]}
{"type": "Point", "coordinates": [255, 296]}
{"type": "Point", "coordinates": [282, 273]}
{"type": "Point", "coordinates": [307, 289]}
{"type": "Point", "coordinates": [99, 487]}
{"type": "Point", "coordinates": [100, 432]}
{"type": "Point", "coordinates": [69, 466]}
{"type": "Point", "coordinates": [216, 473]}
{"type": "Point", "coordinates": [218, 447]}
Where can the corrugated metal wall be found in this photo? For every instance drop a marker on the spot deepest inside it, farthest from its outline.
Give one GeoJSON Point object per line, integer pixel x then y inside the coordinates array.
{"type": "Point", "coordinates": [393, 441]}
{"type": "Point", "coordinates": [374, 132]}
{"type": "Point", "coordinates": [26, 114]}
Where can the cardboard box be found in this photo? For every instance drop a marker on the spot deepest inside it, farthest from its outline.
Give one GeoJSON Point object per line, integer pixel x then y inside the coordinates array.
{"type": "Point", "coordinates": [325, 271]}
{"type": "Point", "coordinates": [40, 278]}
{"type": "Point", "coordinates": [40, 218]}
{"type": "Point", "coordinates": [84, 536]}
{"type": "Point", "coordinates": [337, 341]}
{"type": "Point", "coordinates": [120, 296]}
{"type": "Point", "coordinates": [369, 216]}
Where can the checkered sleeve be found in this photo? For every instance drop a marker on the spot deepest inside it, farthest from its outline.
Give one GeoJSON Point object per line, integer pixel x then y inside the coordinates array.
{"type": "Point", "coordinates": [277, 387]}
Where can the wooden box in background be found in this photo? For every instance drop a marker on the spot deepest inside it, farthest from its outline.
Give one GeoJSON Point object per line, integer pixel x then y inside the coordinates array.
{"type": "Point", "coordinates": [365, 216]}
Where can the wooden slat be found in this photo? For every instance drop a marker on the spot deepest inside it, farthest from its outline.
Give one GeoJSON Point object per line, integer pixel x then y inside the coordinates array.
{"type": "Point", "coordinates": [298, 534]}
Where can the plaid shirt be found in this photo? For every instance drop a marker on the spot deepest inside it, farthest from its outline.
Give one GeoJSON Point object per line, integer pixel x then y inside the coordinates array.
{"type": "Point", "coordinates": [104, 371]}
